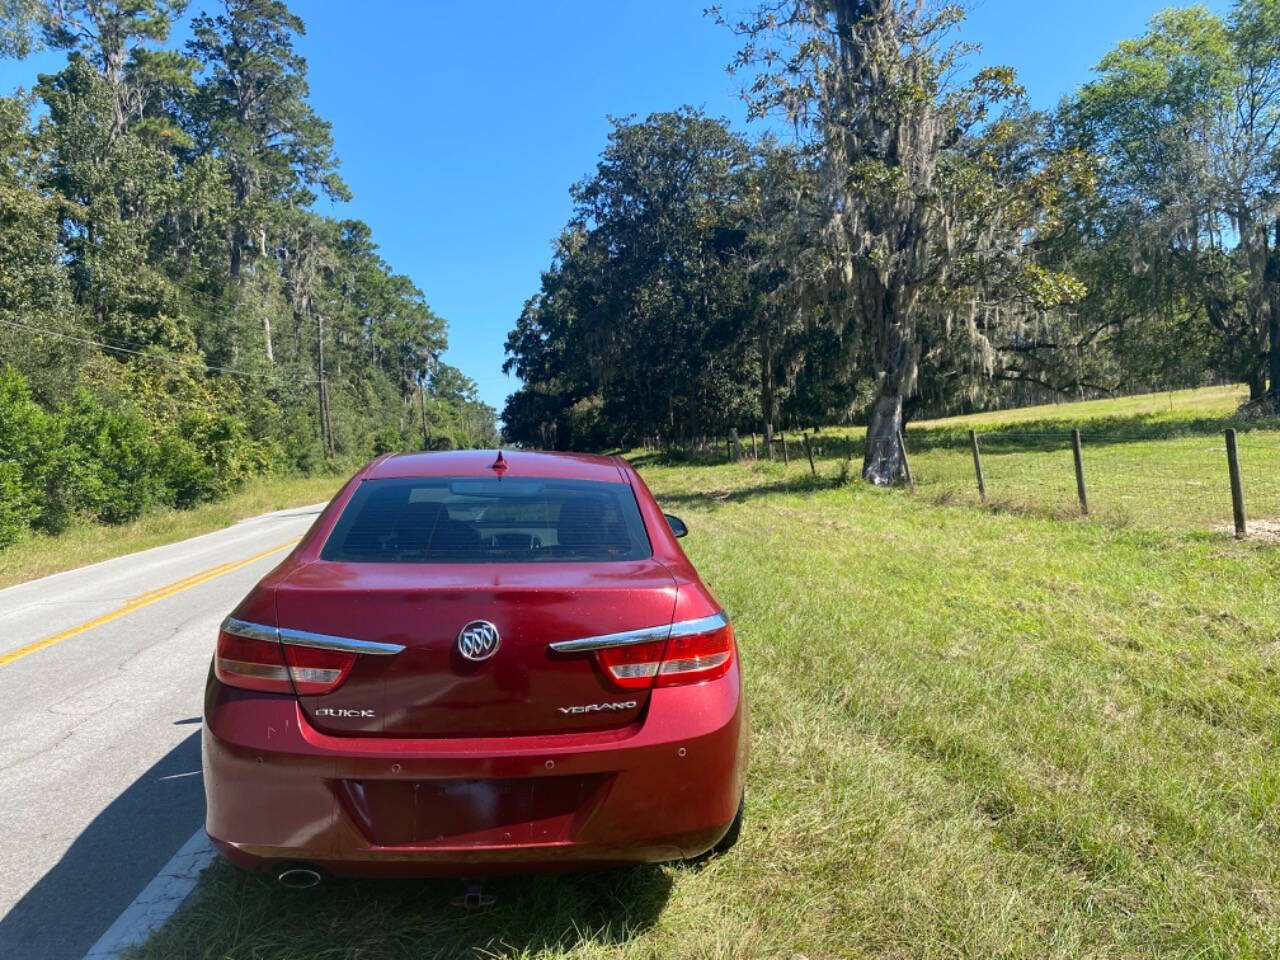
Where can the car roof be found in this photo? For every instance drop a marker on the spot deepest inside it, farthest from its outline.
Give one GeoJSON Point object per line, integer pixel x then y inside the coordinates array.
{"type": "Point", "coordinates": [479, 463]}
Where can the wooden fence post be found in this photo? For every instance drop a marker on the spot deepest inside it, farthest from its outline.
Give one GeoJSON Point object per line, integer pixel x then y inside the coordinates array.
{"type": "Point", "coordinates": [737, 444]}
{"type": "Point", "coordinates": [977, 466]}
{"type": "Point", "coordinates": [1237, 488]}
{"type": "Point", "coordinates": [906, 465]}
{"type": "Point", "coordinates": [755, 454]}
{"type": "Point", "coordinates": [1081, 492]}
{"type": "Point", "coordinates": [808, 449]}
{"type": "Point", "coordinates": [786, 460]}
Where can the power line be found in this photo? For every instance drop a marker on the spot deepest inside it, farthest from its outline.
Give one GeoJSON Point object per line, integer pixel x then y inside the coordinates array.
{"type": "Point", "coordinates": [174, 361]}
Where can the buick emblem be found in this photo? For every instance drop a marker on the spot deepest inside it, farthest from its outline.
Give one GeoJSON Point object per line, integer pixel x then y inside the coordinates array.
{"type": "Point", "coordinates": [478, 640]}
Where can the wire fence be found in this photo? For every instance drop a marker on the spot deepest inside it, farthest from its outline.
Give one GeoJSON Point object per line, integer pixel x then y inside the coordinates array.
{"type": "Point", "coordinates": [1182, 482]}
{"type": "Point", "coordinates": [1167, 476]}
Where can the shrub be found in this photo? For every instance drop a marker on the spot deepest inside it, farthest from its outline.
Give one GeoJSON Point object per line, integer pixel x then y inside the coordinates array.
{"type": "Point", "coordinates": [17, 508]}
{"type": "Point", "coordinates": [25, 435]}
{"type": "Point", "coordinates": [188, 477]}
{"type": "Point", "coordinates": [230, 454]}
{"type": "Point", "coordinates": [107, 465]}
{"type": "Point", "coordinates": [300, 443]}
{"type": "Point", "coordinates": [387, 440]}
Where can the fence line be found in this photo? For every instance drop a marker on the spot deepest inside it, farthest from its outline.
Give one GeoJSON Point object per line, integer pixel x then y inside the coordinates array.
{"type": "Point", "coordinates": [1227, 480]}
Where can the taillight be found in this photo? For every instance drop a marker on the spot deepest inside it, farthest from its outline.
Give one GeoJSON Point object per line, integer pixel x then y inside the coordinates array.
{"type": "Point", "coordinates": [690, 655]}
{"type": "Point", "coordinates": [251, 663]}
{"type": "Point", "coordinates": [252, 657]}
{"type": "Point", "coordinates": [317, 671]}
{"type": "Point", "coordinates": [698, 657]}
{"type": "Point", "coordinates": [632, 667]}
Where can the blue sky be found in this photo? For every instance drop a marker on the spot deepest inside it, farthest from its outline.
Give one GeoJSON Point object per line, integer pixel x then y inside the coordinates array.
{"type": "Point", "coordinates": [460, 127]}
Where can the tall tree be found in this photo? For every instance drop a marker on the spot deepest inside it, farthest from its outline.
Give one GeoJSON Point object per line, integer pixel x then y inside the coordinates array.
{"type": "Point", "coordinates": [34, 287]}
{"type": "Point", "coordinates": [1188, 119]}
{"type": "Point", "coordinates": [114, 35]}
{"type": "Point", "coordinates": [20, 27]}
{"type": "Point", "coordinates": [928, 210]}
{"type": "Point", "coordinates": [251, 110]}
{"type": "Point", "coordinates": [131, 360]}
{"type": "Point", "coordinates": [115, 195]}
{"type": "Point", "coordinates": [783, 266]}
{"type": "Point", "coordinates": [638, 325]}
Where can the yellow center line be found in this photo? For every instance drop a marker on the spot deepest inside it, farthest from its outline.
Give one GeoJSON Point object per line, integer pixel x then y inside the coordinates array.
{"type": "Point", "coordinates": [142, 600]}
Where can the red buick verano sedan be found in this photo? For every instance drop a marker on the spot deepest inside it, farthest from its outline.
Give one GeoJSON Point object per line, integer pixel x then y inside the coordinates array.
{"type": "Point", "coordinates": [476, 664]}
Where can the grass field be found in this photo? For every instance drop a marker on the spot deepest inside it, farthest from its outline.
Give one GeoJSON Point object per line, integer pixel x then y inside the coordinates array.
{"type": "Point", "coordinates": [1209, 402]}
{"type": "Point", "coordinates": [976, 733]}
{"type": "Point", "coordinates": [38, 555]}
{"type": "Point", "coordinates": [1156, 461]}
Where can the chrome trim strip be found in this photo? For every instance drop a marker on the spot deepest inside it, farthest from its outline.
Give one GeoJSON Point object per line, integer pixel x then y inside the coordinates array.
{"type": "Point", "coordinates": [687, 628]}
{"type": "Point", "coordinates": [625, 639]}
{"type": "Point", "coordinates": [683, 628]}
{"type": "Point", "coordinates": [323, 641]}
{"type": "Point", "coordinates": [303, 638]}
{"type": "Point", "coordinates": [250, 631]}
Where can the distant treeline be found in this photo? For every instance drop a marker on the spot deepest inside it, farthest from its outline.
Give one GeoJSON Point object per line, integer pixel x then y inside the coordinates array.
{"type": "Point", "coordinates": [174, 314]}
{"type": "Point", "coordinates": [921, 241]}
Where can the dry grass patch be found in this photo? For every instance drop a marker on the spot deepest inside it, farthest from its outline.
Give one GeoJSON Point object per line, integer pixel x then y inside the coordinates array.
{"type": "Point", "coordinates": [38, 555]}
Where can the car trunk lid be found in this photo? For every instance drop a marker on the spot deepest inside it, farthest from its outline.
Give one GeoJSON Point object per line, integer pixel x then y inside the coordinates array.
{"type": "Point", "coordinates": [431, 688]}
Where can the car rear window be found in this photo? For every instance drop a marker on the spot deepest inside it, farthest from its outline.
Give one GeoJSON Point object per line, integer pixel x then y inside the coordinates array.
{"type": "Point", "coordinates": [483, 520]}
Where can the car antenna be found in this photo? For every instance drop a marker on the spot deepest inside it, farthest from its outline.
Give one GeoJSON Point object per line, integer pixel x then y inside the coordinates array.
{"type": "Point", "coordinates": [499, 466]}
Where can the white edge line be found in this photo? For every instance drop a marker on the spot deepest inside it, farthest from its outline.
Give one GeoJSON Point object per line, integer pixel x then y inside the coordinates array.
{"type": "Point", "coordinates": [158, 900]}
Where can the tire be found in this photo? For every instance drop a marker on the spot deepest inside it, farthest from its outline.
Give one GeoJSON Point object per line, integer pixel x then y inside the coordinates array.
{"type": "Point", "coordinates": [728, 841]}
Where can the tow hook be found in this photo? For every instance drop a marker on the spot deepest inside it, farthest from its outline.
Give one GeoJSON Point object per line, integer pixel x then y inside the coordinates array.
{"type": "Point", "coordinates": [473, 896]}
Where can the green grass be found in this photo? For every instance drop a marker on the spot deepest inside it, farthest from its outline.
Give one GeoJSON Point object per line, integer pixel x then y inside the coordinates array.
{"type": "Point", "coordinates": [1181, 482]}
{"type": "Point", "coordinates": [976, 733]}
{"type": "Point", "coordinates": [38, 555]}
{"type": "Point", "coordinates": [1205, 402]}
{"type": "Point", "coordinates": [1156, 461]}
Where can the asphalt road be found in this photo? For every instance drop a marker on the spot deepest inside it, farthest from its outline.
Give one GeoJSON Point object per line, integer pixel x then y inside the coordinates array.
{"type": "Point", "coordinates": [100, 730]}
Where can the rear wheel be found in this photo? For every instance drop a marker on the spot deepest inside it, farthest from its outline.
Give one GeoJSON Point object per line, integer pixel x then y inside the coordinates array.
{"type": "Point", "coordinates": [725, 843]}
{"type": "Point", "coordinates": [735, 829]}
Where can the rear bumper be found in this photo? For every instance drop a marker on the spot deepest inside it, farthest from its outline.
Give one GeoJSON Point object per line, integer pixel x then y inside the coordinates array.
{"type": "Point", "coordinates": [664, 788]}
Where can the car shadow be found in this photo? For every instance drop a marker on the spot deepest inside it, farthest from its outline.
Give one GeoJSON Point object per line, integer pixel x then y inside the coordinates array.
{"type": "Point", "coordinates": [130, 841]}
{"type": "Point", "coordinates": [531, 916]}
{"type": "Point", "coordinates": [110, 862]}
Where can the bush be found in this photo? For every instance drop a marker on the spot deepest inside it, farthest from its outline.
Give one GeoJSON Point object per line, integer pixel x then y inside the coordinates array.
{"type": "Point", "coordinates": [300, 443]}
{"type": "Point", "coordinates": [387, 440]}
{"type": "Point", "coordinates": [230, 455]}
{"type": "Point", "coordinates": [188, 478]}
{"type": "Point", "coordinates": [103, 460]}
{"type": "Point", "coordinates": [107, 465]}
{"type": "Point", "coordinates": [25, 435]}
{"type": "Point", "coordinates": [17, 508]}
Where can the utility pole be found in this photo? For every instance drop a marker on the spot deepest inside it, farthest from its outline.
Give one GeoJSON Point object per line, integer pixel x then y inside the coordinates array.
{"type": "Point", "coordinates": [422, 406]}
{"type": "Point", "coordinates": [433, 369]}
{"type": "Point", "coordinates": [326, 430]}
{"type": "Point", "coordinates": [328, 420]}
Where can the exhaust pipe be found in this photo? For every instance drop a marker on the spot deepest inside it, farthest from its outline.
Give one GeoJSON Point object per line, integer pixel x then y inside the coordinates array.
{"type": "Point", "coordinates": [298, 877]}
